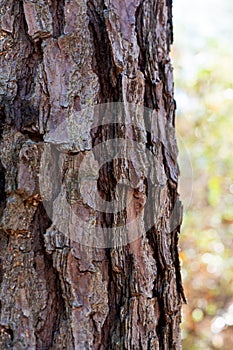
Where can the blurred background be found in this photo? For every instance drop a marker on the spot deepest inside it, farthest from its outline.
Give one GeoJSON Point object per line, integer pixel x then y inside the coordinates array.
{"type": "Point", "coordinates": [202, 57]}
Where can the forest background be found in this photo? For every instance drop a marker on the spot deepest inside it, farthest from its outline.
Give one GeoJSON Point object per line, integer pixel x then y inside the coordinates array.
{"type": "Point", "coordinates": [202, 58]}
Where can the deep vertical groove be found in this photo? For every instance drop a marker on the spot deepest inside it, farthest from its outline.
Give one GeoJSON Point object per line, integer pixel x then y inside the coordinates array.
{"type": "Point", "coordinates": [102, 58]}
{"type": "Point", "coordinates": [56, 307]}
{"type": "Point", "coordinates": [24, 111]}
{"type": "Point", "coordinates": [2, 169]}
{"type": "Point", "coordinates": [57, 11]}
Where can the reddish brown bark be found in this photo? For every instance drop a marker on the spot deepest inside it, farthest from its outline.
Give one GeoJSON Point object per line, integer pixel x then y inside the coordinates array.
{"type": "Point", "coordinates": [57, 57]}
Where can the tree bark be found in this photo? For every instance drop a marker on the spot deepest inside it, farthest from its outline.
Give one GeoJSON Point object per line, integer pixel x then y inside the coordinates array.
{"type": "Point", "coordinates": [57, 57]}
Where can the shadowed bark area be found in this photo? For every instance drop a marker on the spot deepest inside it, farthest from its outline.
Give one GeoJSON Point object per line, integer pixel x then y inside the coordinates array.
{"type": "Point", "coordinates": [57, 57]}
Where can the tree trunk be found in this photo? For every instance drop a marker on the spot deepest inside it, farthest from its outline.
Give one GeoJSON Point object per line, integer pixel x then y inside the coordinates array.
{"type": "Point", "coordinates": [74, 276]}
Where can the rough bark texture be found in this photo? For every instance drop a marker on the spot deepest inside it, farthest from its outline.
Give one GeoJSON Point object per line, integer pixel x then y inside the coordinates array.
{"type": "Point", "coordinates": [57, 57]}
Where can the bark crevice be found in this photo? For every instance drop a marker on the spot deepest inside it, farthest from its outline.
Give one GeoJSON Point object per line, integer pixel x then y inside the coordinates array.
{"type": "Point", "coordinates": [2, 169]}
{"type": "Point", "coordinates": [48, 325]}
{"type": "Point", "coordinates": [58, 22]}
{"type": "Point", "coordinates": [103, 64]}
